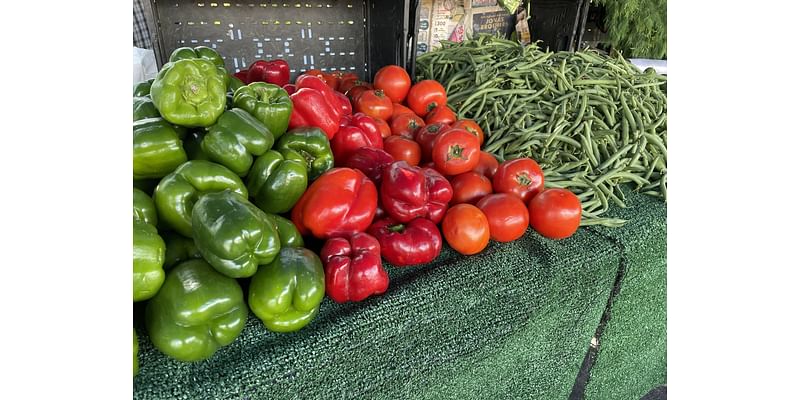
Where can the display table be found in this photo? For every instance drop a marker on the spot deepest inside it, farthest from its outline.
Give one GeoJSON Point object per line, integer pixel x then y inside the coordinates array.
{"type": "Point", "coordinates": [514, 321]}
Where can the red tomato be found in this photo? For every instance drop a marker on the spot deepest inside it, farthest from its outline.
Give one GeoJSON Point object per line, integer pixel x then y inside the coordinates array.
{"type": "Point", "coordinates": [402, 148]}
{"type": "Point", "coordinates": [375, 104]}
{"type": "Point", "coordinates": [406, 125]}
{"type": "Point", "coordinates": [471, 127]}
{"type": "Point", "coordinates": [425, 95]}
{"type": "Point", "coordinates": [426, 135]}
{"type": "Point", "coordinates": [455, 151]}
{"type": "Point", "coordinates": [384, 127]}
{"type": "Point", "coordinates": [507, 215]}
{"type": "Point", "coordinates": [443, 114]}
{"type": "Point", "coordinates": [356, 91]}
{"type": "Point", "coordinates": [398, 109]}
{"type": "Point", "coordinates": [466, 229]}
{"type": "Point", "coordinates": [394, 81]}
{"type": "Point", "coordinates": [521, 177]}
{"type": "Point", "coordinates": [487, 165]}
{"type": "Point", "coordinates": [342, 77]}
{"type": "Point", "coordinates": [470, 187]}
{"type": "Point", "coordinates": [555, 213]}
{"type": "Point", "coordinates": [349, 83]}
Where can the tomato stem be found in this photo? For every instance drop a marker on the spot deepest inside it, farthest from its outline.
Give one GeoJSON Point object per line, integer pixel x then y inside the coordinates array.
{"type": "Point", "coordinates": [523, 179]}
{"type": "Point", "coordinates": [455, 152]}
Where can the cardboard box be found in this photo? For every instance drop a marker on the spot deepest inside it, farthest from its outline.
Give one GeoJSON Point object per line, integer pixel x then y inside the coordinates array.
{"type": "Point", "coordinates": [454, 20]}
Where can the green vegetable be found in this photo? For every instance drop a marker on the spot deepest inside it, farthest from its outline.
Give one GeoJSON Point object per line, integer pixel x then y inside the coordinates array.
{"type": "Point", "coordinates": [276, 183]}
{"type": "Point", "coordinates": [235, 139]}
{"type": "Point", "coordinates": [157, 148]}
{"type": "Point", "coordinates": [142, 88]}
{"type": "Point", "coordinates": [269, 103]}
{"type": "Point", "coordinates": [637, 28]}
{"type": "Point", "coordinates": [234, 84]}
{"type": "Point", "coordinates": [310, 146]}
{"type": "Point", "coordinates": [286, 294]}
{"type": "Point", "coordinates": [179, 248]}
{"type": "Point", "coordinates": [287, 231]}
{"type": "Point", "coordinates": [148, 261]}
{"type": "Point", "coordinates": [143, 107]}
{"type": "Point", "coordinates": [193, 145]}
{"type": "Point", "coordinates": [144, 210]}
{"type": "Point", "coordinates": [197, 311]}
{"type": "Point", "coordinates": [204, 53]}
{"type": "Point", "coordinates": [189, 92]}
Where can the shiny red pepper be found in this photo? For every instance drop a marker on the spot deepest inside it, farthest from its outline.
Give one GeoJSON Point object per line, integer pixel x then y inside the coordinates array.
{"type": "Point", "coordinates": [315, 104]}
{"type": "Point", "coordinates": [409, 192]}
{"type": "Point", "coordinates": [412, 243]}
{"type": "Point", "coordinates": [353, 268]}
{"type": "Point", "coordinates": [344, 104]}
{"type": "Point", "coordinates": [341, 202]}
{"type": "Point", "coordinates": [355, 132]}
{"type": "Point", "coordinates": [370, 161]}
{"type": "Point", "coordinates": [290, 88]}
{"type": "Point", "coordinates": [273, 71]}
{"type": "Point", "coordinates": [242, 76]}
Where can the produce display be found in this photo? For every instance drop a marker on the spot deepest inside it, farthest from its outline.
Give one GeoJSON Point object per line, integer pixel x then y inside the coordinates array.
{"type": "Point", "coordinates": [315, 187]}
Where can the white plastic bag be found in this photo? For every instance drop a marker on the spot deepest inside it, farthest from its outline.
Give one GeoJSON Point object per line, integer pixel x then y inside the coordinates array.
{"type": "Point", "coordinates": [144, 64]}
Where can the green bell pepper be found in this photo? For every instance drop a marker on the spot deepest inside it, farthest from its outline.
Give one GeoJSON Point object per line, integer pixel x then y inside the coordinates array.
{"type": "Point", "coordinates": [179, 248]}
{"type": "Point", "coordinates": [135, 353]}
{"type": "Point", "coordinates": [148, 261]}
{"type": "Point", "coordinates": [286, 294]}
{"type": "Point", "coordinates": [276, 183]}
{"type": "Point", "coordinates": [143, 107]}
{"type": "Point", "coordinates": [189, 92]}
{"type": "Point", "coordinates": [204, 53]}
{"type": "Point", "coordinates": [269, 103]}
{"type": "Point", "coordinates": [192, 146]}
{"type": "Point", "coordinates": [233, 235]}
{"type": "Point", "coordinates": [287, 231]}
{"type": "Point", "coordinates": [157, 148]}
{"type": "Point", "coordinates": [144, 210]}
{"type": "Point", "coordinates": [142, 88]}
{"type": "Point", "coordinates": [234, 84]}
{"type": "Point", "coordinates": [235, 139]}
{"type": "Point", "coordinates": [197, 311]}
{"type": "Point", "coordinates": [176, 194]}
{"type": "Point", "coordinates": [309, 145]}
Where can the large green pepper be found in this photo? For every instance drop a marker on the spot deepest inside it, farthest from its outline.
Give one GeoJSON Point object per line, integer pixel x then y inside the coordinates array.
{"type": "Point", "coordinates": [144, 210]}
{"type": "Point", "coordinates": [205, 53]}
{"type": "Point", "coordinates": [157, 148]}
{"type": "Point", "coordinates": [235, 139]}
{"type": "Point", "coordinates": [276, 183]}
{"type": "Point", "coordinates": [142, 88]}
{"type": "Point", "coordinates": [197, 311]}
{"type": "Point", "coordinates": [143, 107]}
{"type": "Point", "coordinates": [148, 261]}
{"type": "Point", "coordinates": [309, 145]}
{"type": "Point", "coordinates": [189, 92]}
{"type": "Point", "coordinates": [176, 194]}
{"type": "Point", "coordinates": [269, 103]}
{"type": "Point", "coordinates": [179, 248]}
{"type": "Point", "coordinates": [233, 235]}
{"type": "Point", "coordinates": [193, 145]}
{"type": "Point", "coordinates": [234, 84]}
{"type": "Point", "coordinates": [135, 353]}
{"type": "Point", "coordinates": [288, 233]}
{"type": "Point", "coordinates": [286, 294]}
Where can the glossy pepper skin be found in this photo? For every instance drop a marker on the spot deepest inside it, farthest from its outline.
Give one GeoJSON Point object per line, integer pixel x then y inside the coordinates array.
{"type": "Point", "coordinates": [268, 103]}
{"type": "Point", "coordinates": [371, 162]}
{"type": "Point", "coordinates": [177, 193]}
{"type": "Point", "coordinates": [148, 261]}
{"type": "Point", "coordinates": [201, 52]}
{"type": "Point", "coordinates": [144, 210]}
{"type": "Point", "coordinates": [341, 202]}
{"type": "Point", "coordinates": [157, 148]}
{"type": "Point", "coordinates": [353, 268]}
{"type": "Point", "coordinates": [412, 243]}
{"type": "Point", "coordinates": [355, 132]}
{"type": "Point", "coordinates": [197, 311]}
{"type": "Point", "coordinates": [143, 107]}
{"type": "Point", "coordinates": [142, 88]}
{"type": "Point", "coordinates": [235, 139]}
{"type": "Point", "coordinates": [287, 232]}
{"type": "Point", "coordinates": [189, 92]}
{"type": "Point", "coordinates": [285, 295]}
{"type": "Point", "coordinates": [233, 235]}
{"type": "Point", "coordinates": [310, 146]}
{"type": "Point", "coordinates": [275, 183]}
{"type": "Point", "coordinates": [275, 72]}
{"type": "Point", "coordinates": [411, 192]}
{"type": "Point", "coordinates": [179, 249]}
{"type": "Point", "coordinates": [315, 104]}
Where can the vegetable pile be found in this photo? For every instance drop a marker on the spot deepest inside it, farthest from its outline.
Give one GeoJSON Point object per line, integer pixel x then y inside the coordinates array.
{"type": "Point", "coordinates": [593, 122]}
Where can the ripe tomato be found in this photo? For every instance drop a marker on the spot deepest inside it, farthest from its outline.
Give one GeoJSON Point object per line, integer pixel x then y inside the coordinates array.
{"type": "Point", "coordinates": [470, 187]}
{"type": "Point", "coordinates": [356, 91]}
{"type": "Point", "coordinates": [426, 135]}
{"type": "Point", "coordinates": [375, 104]}
{"type": "Point", "coordinates": [342, 77]}
{"type": "Point", "coordinates": [471, 127]}
{"type": "Point", "coordinates": [425, 95]}
{"type": "Point", "coordinates": [455, 151]}
{"type": "Point", "coordinates": [386, 131]}
{"type": "Point", "coordinates": [466, 229]}
{"type": "Point", "coordinates": [402, 148]}
{"type": "Point", "coordinates": [394, 81]}
{"type": "Point", "coordinates": [441, 113]}
{"type": "Point", "coordinates": [399, 109]}
{"type": "Point", "coordinates": [521, 177]}
{"type": "Point", "coordinates": [347, 84]}
{"type": "Point", "coordinates": [555, 213]}
{"type": "Point", "coordinates": [487, 165]}
{"type": "Point", "coordinates": [507, 215]}
{"type": "Point", "coordinates": [406, 125]}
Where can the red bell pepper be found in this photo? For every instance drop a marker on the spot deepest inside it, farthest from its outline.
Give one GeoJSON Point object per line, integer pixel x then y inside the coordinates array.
{"type": "Point", "coordinates": [360, 131]}
{"type": "Point", "coordinates": [353, 268]}
{"type": "Point", "coordinates": [315, 104]}
{"type": "Point", "coordinates": [344, 104]}
{"type": "Point", "coordinates": [409, 192]}
{"type": "Point", "coordinates": [416, 242]}
{"type": "Point", "coordinates": [371, 161]}
{"type": "Point", "coordinates": [339, 203]}
{"type": "Point", "coordinates": [290, 88]}
{"type": "Point", "coordinates": [274, 71]}
{"type": "Point", "coordinates": [242, 76]}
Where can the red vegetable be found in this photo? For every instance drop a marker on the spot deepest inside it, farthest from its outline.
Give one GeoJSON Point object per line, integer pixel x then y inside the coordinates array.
{"type": "Point", "coordinates": [487, 165]}
{"type": "Point", "coordinates": [507, 215]}
{"type": "Point", "coordinates": [471, 127]}
{"type": "Point", "coordinates": [353, 268]}
{"type": "Point", "coordinates": [402, 148]}
{"type": "Point", "coordinates": [521, 177]}
{"type": "Point", "coordinates": [394, 81]}
{"type": "Point", "coordinates": [466, 229]}
{"type": "Point", "coordinates": [409, 192]}
{"type": "Point", "coordinates": [386, 131]}
{"type": "Point", "coordinates": [406, 125]}
{"type": "Point", "coordinates": [470, 187]}
{"type": "Point", "coordinates": [371, 161]}
{"type": "Point", "coordinates": [290, 88]}
{"type": "Point", "coordinates": [242, 76]}
{"type": "Point", "coordinates": [274, 71]}
{"type": "Point", "coordinates": [344, 104]}
{"type": "Point", "coordinates": [412, 243]}
{"type": "Point", "coordinates": [425, 95]}
{"type": "Point", "coordinates": [348, 83]}
{"type": "Point", "coordinates": [441, 114]}
{"type": "Point", "coordinates": [360, 132]}
{"type": "Point", "coordinates": [455, 151]}
{"type": "Point", "coordinates": [425, 136]}
{"type": "Point", "coordinates": [315, 104]}
{"type": "Point", "coordinates": [555, 213]}
{"type": "Point", "coordinates": [399, 109]}
{"type": "Point", "coordinates": [375, 104]}
{"type": "Point", "coordinates": [330, 79]}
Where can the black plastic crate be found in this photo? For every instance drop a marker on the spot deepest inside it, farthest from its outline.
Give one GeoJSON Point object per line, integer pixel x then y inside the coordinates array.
{"type": "Point", "coordinates": [559, 24]}
{"type": "Point", "coordinates": [357, 36]}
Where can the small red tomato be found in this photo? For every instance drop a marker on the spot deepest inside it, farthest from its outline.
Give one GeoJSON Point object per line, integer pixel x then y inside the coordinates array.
{"type": "Point", "coordinates": [398, 109]}
{"type": "Point", "coordinates": [426, 135]}
{"type": "Point", "coordinates": [349, 83]}
{"type": "Point", "coordinates": [425, 95]}
{"type": "Point", "coordinates": [384, 127]}
{"type": "Point", "coordinates": [471, 127]}
{"type": "Point", "coordinates": [406, 125]}
{"type": "Point", "coordinates": [487, 165]}
{"type": "Point", "coordinates": [470, 187]}
{"type": "Point", "coordinates": [402, 148]}
{"type": "Point", "coordinates": [375, 104]}
{"type": "Point", "coordinates": [507, 215]}
{"type": "Point", "coordinates": [555, 213]}
{"type": "Point", "coordinates": [466, 229]}
{"type": "Point", "coordinates": [521, 177]}
{"type": "Point", "coordinates": [394, 81]}
{"type": "Point", "coordinates": [356, 91]}
{"type": "Point", "coordinates": [455, 151]}
{"type": "Point", "coordinates": [441, 114]}
{"type": "Point", "coordinates": [342, 77]}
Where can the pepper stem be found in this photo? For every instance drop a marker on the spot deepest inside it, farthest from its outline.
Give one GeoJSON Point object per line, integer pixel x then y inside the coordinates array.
{"type": "Point", "coordinates": [396, 228]}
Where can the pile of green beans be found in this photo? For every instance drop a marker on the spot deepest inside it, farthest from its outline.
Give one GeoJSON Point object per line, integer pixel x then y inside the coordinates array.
{"type": "Point", "coordinates": [593, 122]}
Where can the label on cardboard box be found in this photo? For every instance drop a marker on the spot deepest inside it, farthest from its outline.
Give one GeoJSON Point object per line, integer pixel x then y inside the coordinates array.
{"type": "Point", "coordinates": [454, 20]}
